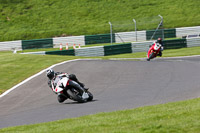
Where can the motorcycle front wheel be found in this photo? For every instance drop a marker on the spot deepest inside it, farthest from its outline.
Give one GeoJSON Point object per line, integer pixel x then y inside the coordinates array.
{"type": "Point", "coordinates": [150, 57]}
{"type": "Point", "coordinates": [61, 98]}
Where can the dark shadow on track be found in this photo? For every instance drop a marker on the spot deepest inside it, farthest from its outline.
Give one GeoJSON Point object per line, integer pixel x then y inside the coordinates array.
{"type": "Point", "coordinates": [77, 102]}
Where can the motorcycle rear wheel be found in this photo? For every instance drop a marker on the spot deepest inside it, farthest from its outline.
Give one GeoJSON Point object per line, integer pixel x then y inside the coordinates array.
{"type": "Point", "coordinates": [90, 96]}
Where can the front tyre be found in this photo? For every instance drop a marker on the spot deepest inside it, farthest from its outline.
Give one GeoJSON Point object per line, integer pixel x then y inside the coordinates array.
{"type": "Point", "coordinates": [150, 56]}
{"type": "Point", "coordinates": [61, 98]}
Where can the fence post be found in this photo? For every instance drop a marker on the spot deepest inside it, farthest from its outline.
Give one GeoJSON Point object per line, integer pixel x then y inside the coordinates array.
{"type": "Point", "coordinates": [161, 24]}
{"type": "Point", "coordinates": [162, 27]}
{"type": "Point", "coordinates": [135, 30]}
{"type": "Point", "coordinates": [111, 33]}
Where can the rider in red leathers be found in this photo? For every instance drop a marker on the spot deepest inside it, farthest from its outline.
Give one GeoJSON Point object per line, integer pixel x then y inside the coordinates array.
{"type": "Point", "coordinates": [159, 40]}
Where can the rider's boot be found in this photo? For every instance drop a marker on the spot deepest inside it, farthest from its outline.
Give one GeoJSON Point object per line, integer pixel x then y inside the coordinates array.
{"type": "Point", "coordinates": [160, 54]}
{"type": "Point", "coordinates": [85, 95]}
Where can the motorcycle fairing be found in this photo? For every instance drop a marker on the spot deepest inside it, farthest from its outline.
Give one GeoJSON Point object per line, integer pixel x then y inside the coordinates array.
{"type": "Point", "coordinates": [61, 84]}
{"type": "Point", "coordinates": [157, 46]}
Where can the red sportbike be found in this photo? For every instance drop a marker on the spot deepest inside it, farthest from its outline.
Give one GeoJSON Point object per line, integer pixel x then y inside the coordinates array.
{"type": "Point", "coordinates": [153, 51]}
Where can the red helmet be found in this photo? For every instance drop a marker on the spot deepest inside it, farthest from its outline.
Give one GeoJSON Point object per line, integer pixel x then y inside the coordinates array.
{"type": "Point", "coordinates": [159, 40]}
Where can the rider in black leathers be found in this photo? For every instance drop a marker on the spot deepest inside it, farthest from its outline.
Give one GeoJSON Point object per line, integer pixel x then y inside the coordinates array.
{"type": "Point", "coordinates": [53, 79]}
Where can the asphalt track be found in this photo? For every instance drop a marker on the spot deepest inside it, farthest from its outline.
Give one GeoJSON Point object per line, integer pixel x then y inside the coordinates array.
{"type": "Point", "coordinates": [116, 85]}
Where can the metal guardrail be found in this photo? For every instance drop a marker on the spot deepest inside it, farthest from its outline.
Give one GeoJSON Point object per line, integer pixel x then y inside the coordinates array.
{"type": "Point", "coordinates": [120, 37]}
{"type": "Point", "coordinates": [90, 51]}
{"type": "Point", "coordinates": [141, 46]}
{"type": "Point", "coordinates": [192, 42]}
{"type": "Point", "coordinates": [184, 31]}
{"type": "Point", "coordinates": [11, 45]}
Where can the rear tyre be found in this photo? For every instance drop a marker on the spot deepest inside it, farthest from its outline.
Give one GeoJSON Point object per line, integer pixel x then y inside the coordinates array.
{"type": "Point", "coordinates": [90, 96]}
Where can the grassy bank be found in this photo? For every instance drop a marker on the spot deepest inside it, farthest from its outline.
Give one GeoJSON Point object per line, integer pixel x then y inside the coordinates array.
{"type": "Point", "coordinates": [34, 19]}
{"type": "Point", "coordinates": [178, 117]}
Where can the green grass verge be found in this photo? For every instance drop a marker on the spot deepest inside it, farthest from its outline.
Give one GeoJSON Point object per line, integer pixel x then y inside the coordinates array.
{"type": "Point", "coordinates": [17, 67]}
{"type": "Point", "coordinates": [35, 19]}
{"type": "Point", "coordinates": [177, 117]}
